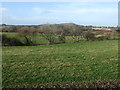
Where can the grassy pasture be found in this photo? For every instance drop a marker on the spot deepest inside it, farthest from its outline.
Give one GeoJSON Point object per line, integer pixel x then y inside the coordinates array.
{"type": "Point", "coordinates": [59, 64]}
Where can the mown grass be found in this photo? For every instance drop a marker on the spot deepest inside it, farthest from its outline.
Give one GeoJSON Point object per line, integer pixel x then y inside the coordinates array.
{"type": "Point", "coordinates": [60, 64]}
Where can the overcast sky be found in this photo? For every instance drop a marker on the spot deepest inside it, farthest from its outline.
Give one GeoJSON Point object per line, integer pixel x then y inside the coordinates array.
{"type": "Point", "coordinates": [82, 13]}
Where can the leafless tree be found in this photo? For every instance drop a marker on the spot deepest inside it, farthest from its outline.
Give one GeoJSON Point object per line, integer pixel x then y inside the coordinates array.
{"type": "Point", "coordinates": [28, 33]}
{"type": "Point", "coordinates": [61, 34]}
{"type": "Point", "coordinates": [49, 33]}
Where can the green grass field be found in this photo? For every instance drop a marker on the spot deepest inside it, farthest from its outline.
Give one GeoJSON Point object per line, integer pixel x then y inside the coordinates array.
{"type": "Point", "coordinates": [60, 64]}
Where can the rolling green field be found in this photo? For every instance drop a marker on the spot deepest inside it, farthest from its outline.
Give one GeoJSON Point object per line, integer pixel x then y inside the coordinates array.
{"type": "Point", "coordinates": [59, 64]}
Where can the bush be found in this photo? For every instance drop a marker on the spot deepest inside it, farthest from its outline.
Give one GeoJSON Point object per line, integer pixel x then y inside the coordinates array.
{"type": "Point", "coordinates": [15, 42]}
{"type": "Point", "coordinates": [7, 41]}
{"type": "Point", "coordinates": [27, 41]}
{"type": "Point", "coordinates": [29, 35]}
{"type": "Point", "coordinates": [61, 39]}
{"type": "Point", "coordinates": [89, 36]}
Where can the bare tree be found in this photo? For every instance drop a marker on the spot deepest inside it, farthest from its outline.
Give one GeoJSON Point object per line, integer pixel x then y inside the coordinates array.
{"type": "Point", "coordinates": [28, 33]}
{"type": "Point", "coordinates": [76, 33]}
{"type": "Point", "coordinates": [61, 34]}
{"type": "Point", "coordinates": [49, 33]}
{"type": "Point", "coordinates": [33, 32]}
{"type": "Point", "coordinates": [89, 35]}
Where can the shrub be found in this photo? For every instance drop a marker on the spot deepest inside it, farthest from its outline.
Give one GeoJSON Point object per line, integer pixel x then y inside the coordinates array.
{"type": "Point", "coordinates": [15, 42]}
{"type": "Point", "coordinates": [61, 39]}
{"type": "Point", "coordinates": [5, 40]}
{"type": "Point", "coordinates": [27, 41]}
{"type": "Point", "coordinates": [49, 33]}
{"type": "Point", "coordinates": [29, 35]}
{"type": "Point", "coordinates": [10, 41]}
{"type": "Point", "coordinates": [89, 36]}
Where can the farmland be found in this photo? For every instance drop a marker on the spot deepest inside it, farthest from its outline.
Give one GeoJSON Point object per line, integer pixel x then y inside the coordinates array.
{"type": "Point", "coordinates": [47, 55]}
{"type": "Point", "coordinates": [59, 64]}
{"type": "Point", "coordinates": [71, 45]}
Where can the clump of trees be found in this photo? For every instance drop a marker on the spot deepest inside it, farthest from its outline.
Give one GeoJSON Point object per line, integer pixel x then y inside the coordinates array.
{"type": "Point", "coordinates": [28, 34]}
{"type": "Point", "coordinates": [55, 33]}
{"type": "Point", "coordinates": [49, 33]}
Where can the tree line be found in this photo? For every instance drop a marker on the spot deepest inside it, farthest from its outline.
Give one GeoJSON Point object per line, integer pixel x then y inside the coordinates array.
{"type": "Point", "coordinates": [52, 31]}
